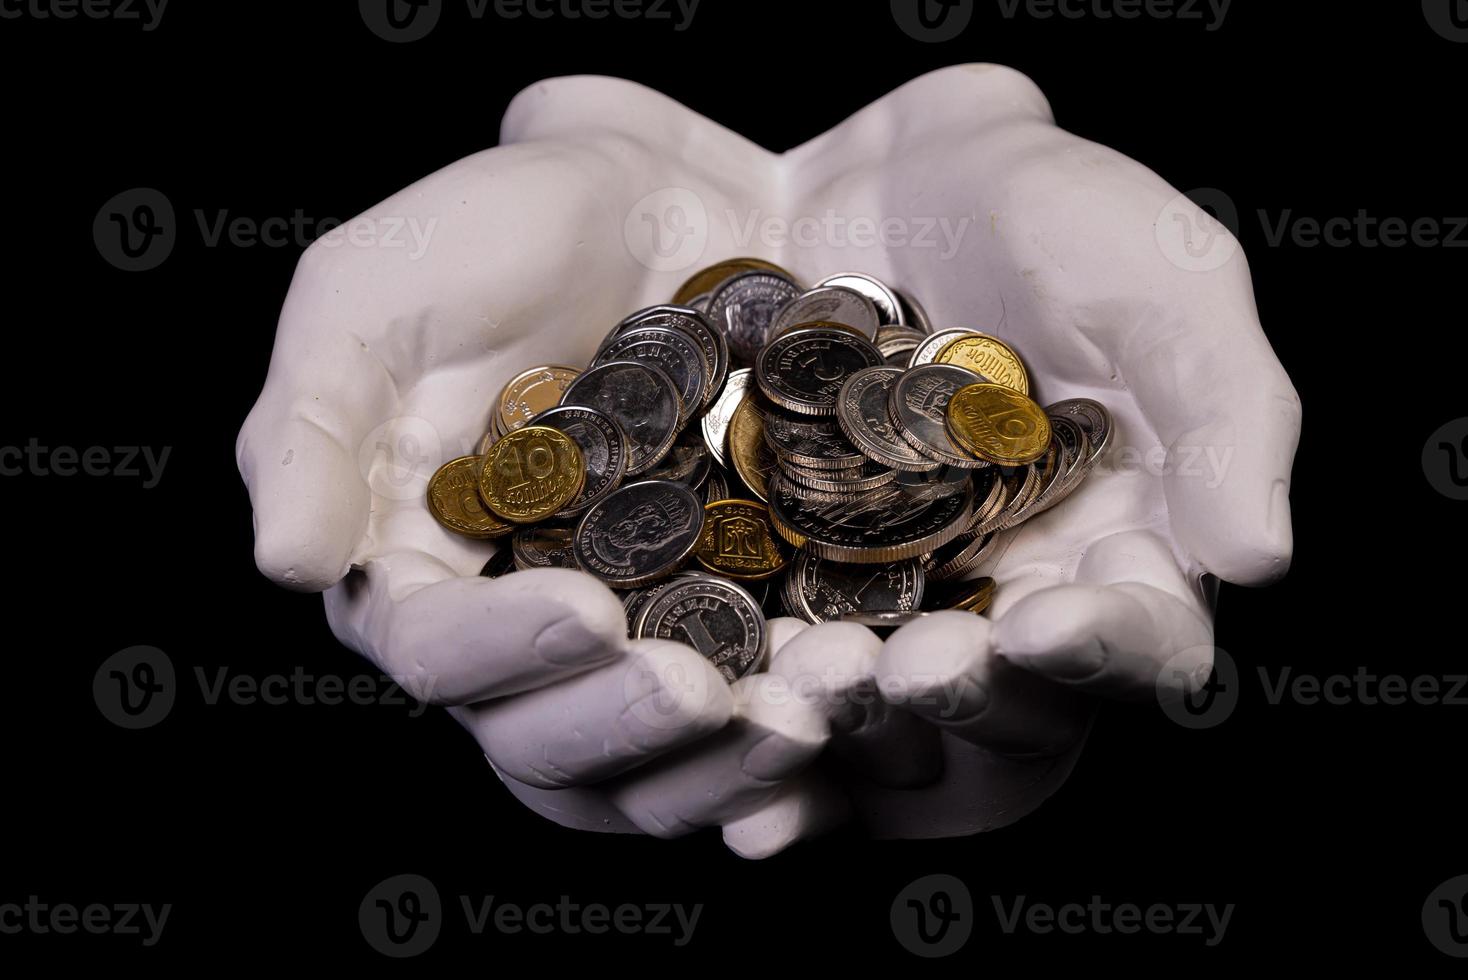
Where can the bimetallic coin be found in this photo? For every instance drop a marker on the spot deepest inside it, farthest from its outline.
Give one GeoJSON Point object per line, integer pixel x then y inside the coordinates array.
{"type": "Point", "coordinates": [1094, 420]}
{"type": "Point", "coordinates": [828, 304]}
{"type": "Point", "coordinates": [988, 357]}
{"type": "Point", "coordinates": [641, 399]}
{"type": "Point", "coordinates": [752, 457]}
{"type": "Point", "coordinates": [819, 590]}
{"type": "Point", "coordinates": [503, 563]}
{"type": "Point", "coordinates": [815, 443]}
{"type": "Point", "coordinates": [705, 281]}
{"type": "Point", "coordinates": [531, 474]}
{"type": "Point", "coordinates": [603, 451]}
{"type": "Point", "coordinates": [743, 308]}
{"type": "Point", "coordinates": [738, 541]}
{"type": "Point", "coordinates": [804, 369]}
{"type": "Point", "coordinates": [717, 618]}
{"type": "Point", "coordinates": [998, 424]}
{"type": "Point", "coordinates": [693, 323]}
{"type": "Point", "coordinates": [671, 350]}
{"type": "Point", "coordinates": [918, 404]}
{"type": "Point", "coordinates": [882, 297]}
{"type": "Point", "coordinates": [687, 462]}
{"type": "Point", "coordinates": [641, 533]}
{"type": "Point", "coordinates": [543, 547]}
{"type": "Point", "coordinates": [530, 393]}
{"type": "Point", "coordinates": [929, 348]}
{"type": "Point", "coordinates": [882, 525]}
{"type": "Point", "coordinates": [715, 421]}
{"type": "Point", "coordinates": [453, 500]}
{"type": "Point", "coordinates": [863, 415]}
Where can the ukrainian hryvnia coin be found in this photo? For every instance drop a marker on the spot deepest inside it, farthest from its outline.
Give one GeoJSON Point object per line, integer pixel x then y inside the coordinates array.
{"type": "Point", "coordinates": [716, 487]}
{"type": "Point", "coordinates": [738, 541]}
{"type": "Point", "coordinates": [705, 281]}
{"type": "Point", "coordinates": [929, 348]}
{"type": "Point", "coordinates": [988, 357]}
{"type": "Point", "coordinates": [823, 590]}
{"type": "Point", "coordinates": [913, 313]}
{"type": "Point", "coordinates": [717, 618]}
{"type": "Point", "coordinates": [972, 596]}
{"type": "Point", "coordinates": [641, 399]}
{"type": "Point", "coordinates": [530, 393]}
{"type": "Point", "coordinates": [839, 483]}
{"type": "Point", "coordinates": [715, 421]}
{"type": "Point", "coordinates": [861, 411]}
{"type": "Point", "coordinates": [543, 547]}
{"type": "Point", "coordinates": [998, 424]}
{"type": "Point", "coordinates": [603, 450]}
{"type": "Point", "coordinates": [531, 474]}
{"type": "Point", "coordinates": [672, 350]}
{"type": "Point", "coordinates": [691, 322]}
{"type": "Point", "coordinates": [810, 441]}
{"type": "Point", "coordinates": [882, 297]}
{"type": "Point", "coordinates": [453, 500]}
{"type": "Point", "coordinates": [803, 370]}
{"type": "Point", "coordinates": [881, 525]}
{"type": "Point", "coordinates": [502, 563]}
{"type": "Point", "coordinates": [751, 456]}
{"type": "Point", "coordinates": [1093, 418]}
{"type": "Point", "coordinates": [687, 462]}
{"type": "Point", "coordinates": [743, 308]}
{"type": "Point", "coordinates": [830, 304]}
{"type": "Point", "coordinates": [641, 533]}
{"type": "Point", "coordinates": [919, 405]}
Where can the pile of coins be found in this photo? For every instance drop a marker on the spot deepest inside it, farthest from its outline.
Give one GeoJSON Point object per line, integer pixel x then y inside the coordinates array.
{"type": "Point", "coordinates": [759, 448]}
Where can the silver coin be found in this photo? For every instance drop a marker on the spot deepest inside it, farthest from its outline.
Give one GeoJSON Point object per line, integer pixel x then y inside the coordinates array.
{"type": "Point", "coordinates": [809, 441]}
{"type": "Point", "coordinates": [641, 533]}
{"type": "Point", "coordinates": [744, 306]}
{"type": "Point", "coordinates": [1032, 484]}
{"type": "Point", "coordinates": [672, 350]}
{"type": "Point", "coordinates": [929, 348]}
{"type": "Point", "coordinates": [913, 313]}
{"type": "Point", "coordinates": [715, 421]}
{"type": "Point", "coordinates": [543, 547]}
{"type": "Point", "coordinates": [839, 483]}
{"type": "Point", "coordinates": [918, 404]}
{"type": "Point", "coordinates": [717, 618]}
{"type": "Point", "coordinates": [863, 415]}
{"type": "Point", "coordinates": [820, 590]}
{"type": "Point", "coordinates": [944, 481]}
{"type": "Point", "coordinates": [881, 525]}
{"type": "Point", "coordinates": [831, 304]}
{"type": "Point", "coordinates": [1093, 418]}
{"type": "Point", "coordinates": [603, 449]}
{"type": "Point", "coordinates": [691, 321]}
{"type": "Point", "coordinates": [885, 621]}
{"type": "Point", "coordinates": [896, 344]}
{"type": "Point", "coordinates": [502, 563]}
{"type": "Point", "coordinates": [716, 487]}
{"type": "Point", "coordinates": [958, 557]}
{"type": "Point", "coordinates": [803, 370]}
{"type": "Point", "coordinates": [888, 306]}
{"type": "Point", "coordinates": [687, 462]}
{"type": "Point", "coordinates": [641, 399]}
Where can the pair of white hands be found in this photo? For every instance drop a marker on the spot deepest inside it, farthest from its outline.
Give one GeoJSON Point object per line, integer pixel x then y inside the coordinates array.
{"type": "Point", "coordinates": [1071, 251]}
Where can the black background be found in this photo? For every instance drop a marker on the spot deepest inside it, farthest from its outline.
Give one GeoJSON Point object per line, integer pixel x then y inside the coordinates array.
{"type": "Point", "coordinates": [264, 826]}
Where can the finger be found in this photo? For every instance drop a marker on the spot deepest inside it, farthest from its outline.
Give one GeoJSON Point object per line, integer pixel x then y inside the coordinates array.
{"type": "Point", "coordinates": [732, 774]}
{"type": "Point", "coordinates": [943, 669]}
{"type": "Point", "coordinates": [619, 716]}
{"type": "Point", "coordinates": [1116, 639]}
{"type": "Point", "coordinates": [806, 806]}
{"type": "Point", "coordinates": [463, 639]}
{"type": "Point", "coordinates": [575, 807]}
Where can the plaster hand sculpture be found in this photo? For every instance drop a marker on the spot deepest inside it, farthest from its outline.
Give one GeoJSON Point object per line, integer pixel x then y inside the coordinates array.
{"type": "Point", "coordinates": [386, 363]}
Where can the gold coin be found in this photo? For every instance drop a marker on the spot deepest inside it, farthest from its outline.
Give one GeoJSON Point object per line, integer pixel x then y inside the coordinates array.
{"type": "Point", "coordinates": [751, 455]}
{"type": "Point", "coordinates": [704, 280]}
{"type": "Point", "coordinates": [531, 474]}
{"type": "Point", "coordinates": [989, 357]}
{"type": "Point", "coordinates": [453, 500]}
{"type": "Point", "coordinates": [998, 424]}
{"type": "Point", "coordinates": [975, 597]}
{"type": "Point", "coordinates": [530, 393]}
{"type": "Point", "coordinates": [737, 541]}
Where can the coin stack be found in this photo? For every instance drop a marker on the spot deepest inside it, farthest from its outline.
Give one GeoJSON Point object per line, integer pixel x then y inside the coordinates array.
{"type": "Point", "coordinates": [758, 448]}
